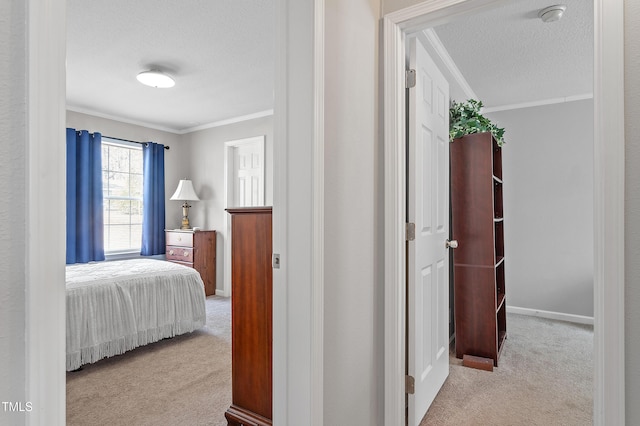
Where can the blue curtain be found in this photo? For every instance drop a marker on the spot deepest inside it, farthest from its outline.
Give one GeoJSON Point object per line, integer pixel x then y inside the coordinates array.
{"type": "Point", "coordinates": [153, 241]}
{"type": "Point", "coordinates": [85, 222]}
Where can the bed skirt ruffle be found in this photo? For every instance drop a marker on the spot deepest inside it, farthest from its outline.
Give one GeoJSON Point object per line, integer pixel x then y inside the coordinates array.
{"type": "Point", "coordinates": [113, 307]}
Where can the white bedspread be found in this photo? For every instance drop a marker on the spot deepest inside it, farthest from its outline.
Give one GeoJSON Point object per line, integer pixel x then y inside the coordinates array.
{"type": "Point", "coordinates": [116, 306]}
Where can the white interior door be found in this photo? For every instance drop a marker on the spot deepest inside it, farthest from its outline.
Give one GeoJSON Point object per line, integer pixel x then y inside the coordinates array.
{"type": "Point", "coordinates": [428, 208]}
{"type": "Point", "coordinates": [248, 168]}
{"type": "Point", "coordinates": [244, 181]}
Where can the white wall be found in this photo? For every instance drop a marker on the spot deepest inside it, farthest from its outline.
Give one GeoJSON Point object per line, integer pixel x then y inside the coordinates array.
{"type": "Point", "coordinates": [548, 206]}
{"type": "Point", "coordinates": [13, 226]}
{"type": "Point", "coordinates": [205, 167]}
{"type": "Point", "coordinates": [353, 346]}
{"type": "Point", "coordinates": [175, 159]}
{"type": "Point", "coordinates": [632, 209]}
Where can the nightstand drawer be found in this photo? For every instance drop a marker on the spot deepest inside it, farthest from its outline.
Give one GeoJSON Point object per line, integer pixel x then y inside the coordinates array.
{"type": "Point", "coordinates": [182, 239]}
{"type": "Point", "coordinates": [183, 254]}
{"type": "Point", "coordinates": [196, 249]}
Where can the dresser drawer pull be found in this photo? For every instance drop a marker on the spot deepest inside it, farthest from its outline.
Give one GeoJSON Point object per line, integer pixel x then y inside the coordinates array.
{"type": "Point", "coordinates": [186, 253]}
{"type": "Point", "coordinates": [171, 252]}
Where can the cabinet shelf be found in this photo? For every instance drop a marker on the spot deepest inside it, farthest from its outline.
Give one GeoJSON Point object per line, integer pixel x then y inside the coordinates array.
{"type": "Point", "coordinates": [501, 299]}
{"type": "Point", "coordinates": [502, 335]}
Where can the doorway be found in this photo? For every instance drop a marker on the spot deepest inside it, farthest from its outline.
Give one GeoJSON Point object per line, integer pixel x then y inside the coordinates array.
{"type": "Point", "coordinates": [608, 95]}
{"type": "Point", "coordinates": [244, 183]}
{"type": "Point", "coordinates": [46, 114]}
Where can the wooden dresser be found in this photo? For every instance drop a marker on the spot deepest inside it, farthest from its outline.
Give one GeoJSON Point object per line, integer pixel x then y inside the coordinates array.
{"type": "Point", "coordinates": [196, 249]}
{"type": "Point", "coordinates": [251, 317]}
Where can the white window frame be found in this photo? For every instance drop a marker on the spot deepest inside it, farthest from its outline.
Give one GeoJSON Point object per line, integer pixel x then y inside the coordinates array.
{"type": "Point", "coordinates": [120, 253]}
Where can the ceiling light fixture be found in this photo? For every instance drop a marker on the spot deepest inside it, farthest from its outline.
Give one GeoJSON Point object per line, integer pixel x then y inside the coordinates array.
{"type": "Point", "coordinates": [552, 13]}
{"type": "Point", "coordinates": [155, 78]}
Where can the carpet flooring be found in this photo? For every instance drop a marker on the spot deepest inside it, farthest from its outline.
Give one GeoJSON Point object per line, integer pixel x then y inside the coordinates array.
{"type": "Point", "coordinates": [185, 380]}
{"type": "Point", "coordinates": [544, 378]}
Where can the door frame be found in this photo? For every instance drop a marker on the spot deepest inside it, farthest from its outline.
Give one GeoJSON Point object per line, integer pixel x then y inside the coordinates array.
{"type": "Point", "coordinates": [609, 392]}
{"type": "Point", "coordinates": [298, 228]}
{"type": "Point", "coordinates": [229, 198]}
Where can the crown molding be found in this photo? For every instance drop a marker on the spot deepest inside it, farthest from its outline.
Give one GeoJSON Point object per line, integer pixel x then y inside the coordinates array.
{"type": "Point", "coordinates": [169, 129]}
{"type": "Point", "coordinates": [442, 52]}
{"type": "Point", "coordinates": [94, 113]}
{"type": "Point", "coordinates": [247, 117]}
{"type": "Point", "coordinates": [542, 102]}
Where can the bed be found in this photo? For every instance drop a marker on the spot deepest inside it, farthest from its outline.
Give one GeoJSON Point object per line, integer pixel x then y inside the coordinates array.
{"type": "Point", "coordinates": [116, 306]}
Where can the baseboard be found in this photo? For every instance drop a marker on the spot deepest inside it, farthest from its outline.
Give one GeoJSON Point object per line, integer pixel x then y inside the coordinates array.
{"type": "Point", "coordinates": [221, 293]}
{"type": "Point", "coordinates": [551, 315]}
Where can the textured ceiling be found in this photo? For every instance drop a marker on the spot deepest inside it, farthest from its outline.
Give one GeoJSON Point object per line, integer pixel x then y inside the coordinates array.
{"type": "Point", "coordinates": [509, 56]}
{"type": "Point", "coordinates": [221, 54]}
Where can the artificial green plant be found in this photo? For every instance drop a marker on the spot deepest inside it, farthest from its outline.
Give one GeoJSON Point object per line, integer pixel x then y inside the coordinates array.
{"type": "Point", "coordinates": [465, 118]}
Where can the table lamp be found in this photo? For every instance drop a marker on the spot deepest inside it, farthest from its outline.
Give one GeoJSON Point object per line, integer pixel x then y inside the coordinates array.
{"type": "Point", "coordinates": [185, 193]}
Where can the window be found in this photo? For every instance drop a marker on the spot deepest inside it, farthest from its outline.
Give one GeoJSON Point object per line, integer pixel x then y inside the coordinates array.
{"type": "Point", "coordinates": [122, 196]}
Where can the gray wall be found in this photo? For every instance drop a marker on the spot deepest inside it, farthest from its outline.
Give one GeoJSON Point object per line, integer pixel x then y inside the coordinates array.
{"type": "Point", "coordinates": [548, 206]}
{"type": "Point", "coordinates": [632, 209]}
{"type": "Point", "coordinates": [205, 166]}
{"type": "Point", "coordinates": [353, 311]}
{"type": "Point", "coordinates": [13, 227]}
{"type": "Point", "coordinates": [389, 6]}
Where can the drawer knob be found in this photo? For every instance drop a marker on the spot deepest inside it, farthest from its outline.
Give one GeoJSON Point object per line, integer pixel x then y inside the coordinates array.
{"type": "Point", "coordinates": [171, 252]}
{"type": "Point", "coordinates": [186, 254]}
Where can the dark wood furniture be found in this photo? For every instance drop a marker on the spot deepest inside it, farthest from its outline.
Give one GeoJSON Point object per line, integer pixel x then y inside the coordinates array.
{"type": "Point", "coordinates": [251, 317]}
{"type": "Point", "coordinates": [196, 249]}
{"type": "Point", "coordinates": [478, 262]}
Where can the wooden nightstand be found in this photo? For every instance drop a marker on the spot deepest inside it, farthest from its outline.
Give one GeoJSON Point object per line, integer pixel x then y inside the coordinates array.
{"type": "Point", "coordinates": [196, 249]}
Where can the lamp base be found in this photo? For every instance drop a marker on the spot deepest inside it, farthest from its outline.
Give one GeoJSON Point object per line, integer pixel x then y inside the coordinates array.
{"type": "Point", "coordinates": [185, 216]}
{"type": "Point", "coordinates": [185, 223]}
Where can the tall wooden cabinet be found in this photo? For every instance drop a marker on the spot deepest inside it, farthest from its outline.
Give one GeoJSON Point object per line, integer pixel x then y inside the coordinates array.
{"type": "Point", "coordinates": [478, 262]}
{"type": "Point", "coordinates": [251, 317]}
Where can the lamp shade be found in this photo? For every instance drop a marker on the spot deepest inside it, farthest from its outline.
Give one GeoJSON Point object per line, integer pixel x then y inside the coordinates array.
{"type": "Point", "coordinates": [185, 191]}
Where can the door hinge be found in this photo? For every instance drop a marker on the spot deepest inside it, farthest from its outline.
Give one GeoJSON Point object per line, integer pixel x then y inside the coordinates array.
{"type": "Point", "coordinates": [409, 385]}
{"type": "Point", "coordinates": [410, 79]}
{"type": "Point", "coordinates": [410, 231]}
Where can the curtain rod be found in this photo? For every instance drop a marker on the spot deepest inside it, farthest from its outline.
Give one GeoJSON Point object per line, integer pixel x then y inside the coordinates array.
{"type": "Point", "coordinates": [128, 140]}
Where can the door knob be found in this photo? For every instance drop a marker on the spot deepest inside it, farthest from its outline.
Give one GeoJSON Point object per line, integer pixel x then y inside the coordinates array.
{"type": "Point", "coordinates": [451, 244]}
